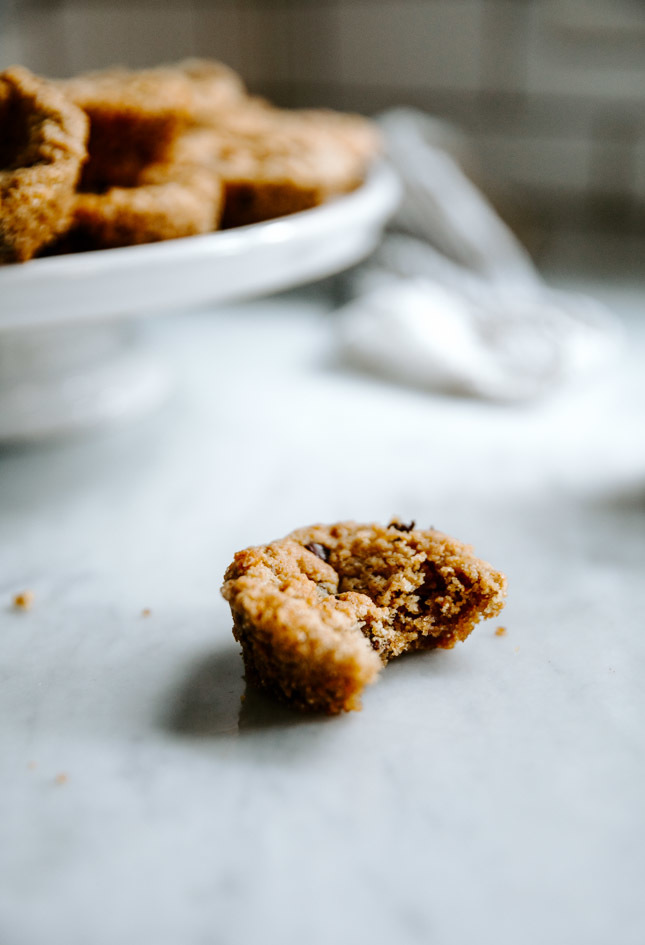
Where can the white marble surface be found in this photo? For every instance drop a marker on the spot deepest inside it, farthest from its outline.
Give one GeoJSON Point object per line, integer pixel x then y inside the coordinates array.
{"type": "Point", "coordinates": [491, 794]}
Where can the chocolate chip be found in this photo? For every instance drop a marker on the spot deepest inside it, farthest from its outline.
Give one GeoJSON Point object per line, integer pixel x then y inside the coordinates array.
{"type": "Point", "coordinates": [401, 526]}
{"type": "Point", "coordinates": [433, 582]}
{"type": "Point", "coordinates": [319, 550]}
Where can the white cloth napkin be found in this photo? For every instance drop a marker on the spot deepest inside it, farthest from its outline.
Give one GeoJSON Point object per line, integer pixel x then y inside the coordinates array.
{"type": "Point", "coordinates": [454, 301]}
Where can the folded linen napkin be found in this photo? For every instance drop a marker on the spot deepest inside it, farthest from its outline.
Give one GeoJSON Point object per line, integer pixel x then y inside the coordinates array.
{"type": "Point", "coordinates": [454, 302]}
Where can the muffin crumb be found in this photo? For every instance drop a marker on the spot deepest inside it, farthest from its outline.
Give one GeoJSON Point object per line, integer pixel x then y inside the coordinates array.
{"type": "Point", "coordinates": [24, 600]}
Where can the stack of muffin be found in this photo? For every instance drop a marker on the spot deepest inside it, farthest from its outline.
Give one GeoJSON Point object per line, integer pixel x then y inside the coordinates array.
{"type": "Point", "coordinates": [120, 157]}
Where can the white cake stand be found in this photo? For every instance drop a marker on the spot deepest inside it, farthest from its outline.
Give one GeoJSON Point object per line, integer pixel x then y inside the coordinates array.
{"type": "Point", "coordinates": [69, 356]}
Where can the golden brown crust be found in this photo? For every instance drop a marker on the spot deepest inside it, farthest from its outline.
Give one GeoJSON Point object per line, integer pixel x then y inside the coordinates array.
{"type": "Point", "coordinates": [319, 612]}
{"type": "Point", "coordinates": [132, 190]}
{"type": "Point", "coordinates": [136, 115]}
{"type": "Point", "coordinates": [131, 125]}
{"type": "Point", "coordinates": [168, 202]}
{"type": "Point", "coordinates": [297, 642]}
{"type": "Point", "coordinates": [275, 162]}
{"type": "Point", "coordinates": [211, 87]}
{"type": "Point", "coordinates": [42, 148]}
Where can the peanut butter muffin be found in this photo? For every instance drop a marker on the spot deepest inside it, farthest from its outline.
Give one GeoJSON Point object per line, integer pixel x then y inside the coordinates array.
{"type": "Point", "coordinates": [132, 123]}
{"type": "Point", "coordinates": [275, 162]}
{"type": "Point", "coordinates": [168, 201]}
{"type": "Point", "coordinates": [42, 149]}
{"type": "Point", "coordinates": [135, 116]}
{"type": "Point", "coordinates": [319, 613]}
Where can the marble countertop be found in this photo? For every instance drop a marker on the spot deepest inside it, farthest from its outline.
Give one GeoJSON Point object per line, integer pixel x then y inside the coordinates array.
{"type": "Point", "coordinates": [490, 794]}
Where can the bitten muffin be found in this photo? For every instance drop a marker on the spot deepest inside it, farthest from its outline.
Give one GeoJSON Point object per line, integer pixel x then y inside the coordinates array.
{"type": "Point", "coordinates": [42, 149]}
{"type": "Point", "coordinates": [319, 613]}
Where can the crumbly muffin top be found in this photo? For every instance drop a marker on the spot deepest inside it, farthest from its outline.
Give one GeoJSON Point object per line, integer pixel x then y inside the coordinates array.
{"type": "Point", "coordinates": [403, 587]}
{"type": "Point", "coordinates": [38, 125]}
{"type": "Point", "coordinates": [193, 90]}
{"type": "Point", "coordinates": [323, 149]}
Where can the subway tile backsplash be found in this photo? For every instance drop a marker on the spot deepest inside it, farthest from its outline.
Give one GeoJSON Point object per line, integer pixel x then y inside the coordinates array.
{"type": "Point", "coordinates": [552, 94]}
{"type": "Point", "coordinates": [411, 44]}
{"type": "Point", "coordinates": [98, 35]}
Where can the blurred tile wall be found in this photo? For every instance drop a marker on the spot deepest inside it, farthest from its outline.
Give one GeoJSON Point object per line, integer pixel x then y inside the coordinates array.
{"type": "Point", "coordinates": [550, 92]}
